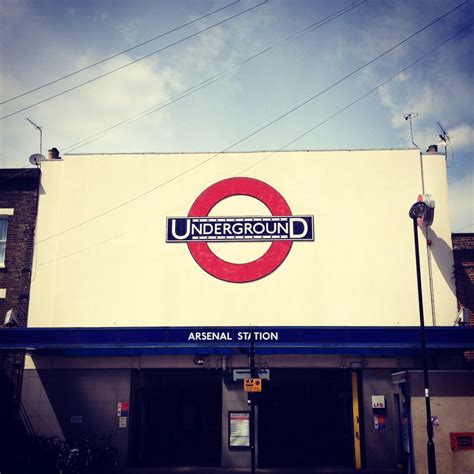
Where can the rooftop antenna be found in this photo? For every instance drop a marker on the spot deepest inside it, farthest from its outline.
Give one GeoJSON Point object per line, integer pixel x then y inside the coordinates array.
{"type": "Point", "coordinates": [409, 116]}
{"type": "Point", "coordinates": [445, 140]}
{"type": "Point", "coordinates": [40, 129]}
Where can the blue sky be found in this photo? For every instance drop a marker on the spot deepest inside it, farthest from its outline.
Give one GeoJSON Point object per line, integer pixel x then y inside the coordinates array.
{"type": "Point", "coordinates": [45, 39]}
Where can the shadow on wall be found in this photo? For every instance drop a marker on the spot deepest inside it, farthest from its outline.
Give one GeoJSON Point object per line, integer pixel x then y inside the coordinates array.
{"type": "Point", "coordinates": [442, 254]}
{"type": "Point", "coordinates": [85, 402]}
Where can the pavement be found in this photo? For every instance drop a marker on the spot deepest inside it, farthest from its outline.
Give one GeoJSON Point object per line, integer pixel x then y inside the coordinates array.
{"type": "Point", "coordinates": [194, 470]}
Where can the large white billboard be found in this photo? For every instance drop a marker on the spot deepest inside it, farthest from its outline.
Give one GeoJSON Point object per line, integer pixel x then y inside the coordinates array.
{"type": "Point", "coordinates": [289, 239]}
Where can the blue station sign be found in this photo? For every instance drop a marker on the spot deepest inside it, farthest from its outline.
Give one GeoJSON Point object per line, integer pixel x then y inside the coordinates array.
{"type": "Point", "coordinates": [223, 340]}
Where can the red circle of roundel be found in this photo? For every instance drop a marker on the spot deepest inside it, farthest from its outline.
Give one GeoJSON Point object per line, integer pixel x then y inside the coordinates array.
{"type": "Point", "coordinates": [239, 272]}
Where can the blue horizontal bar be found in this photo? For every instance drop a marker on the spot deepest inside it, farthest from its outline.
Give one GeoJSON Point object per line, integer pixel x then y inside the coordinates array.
{"type": "Point", "coordinates": [222, 340]}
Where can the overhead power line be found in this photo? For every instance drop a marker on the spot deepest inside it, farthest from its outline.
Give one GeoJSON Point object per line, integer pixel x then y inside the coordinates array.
{"type": "Point", "coordinates": [82, 84]}
{"type": "Point", "coordinates": [371, 91]}
{"type": "Point", "coordinates": [211, 80]}
{"type": "Point", "coordinates": [463, 228]}
{"type": "Point", "coordinates": [336, 83]}
{"type": "Point", "coordinates": [162, 35]}
{"type": "Point", "coordinates": [23, 170]}
{"type": "Point", "coordinates": [198, 165]}
{"type": "Point", "coordinates": [343, 109]}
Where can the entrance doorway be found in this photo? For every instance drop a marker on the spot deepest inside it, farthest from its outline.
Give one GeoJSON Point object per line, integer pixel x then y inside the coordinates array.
{"type": "Point", "coordinates": [305, 419]}
{"type": "Point", "coordinates": [176, 418]}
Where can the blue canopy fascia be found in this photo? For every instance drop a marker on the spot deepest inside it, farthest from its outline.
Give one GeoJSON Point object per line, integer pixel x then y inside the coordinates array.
{"type": "Point", "coordinates": [128, 341]}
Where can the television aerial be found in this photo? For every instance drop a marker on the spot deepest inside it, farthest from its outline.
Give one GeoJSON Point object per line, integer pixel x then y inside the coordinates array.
{"type": "Point", "coordinates": [40, 130]}
{"type": "Point", "coordinates": [409, 117]}
{"type": "Point", "coordinates": [445, 139]}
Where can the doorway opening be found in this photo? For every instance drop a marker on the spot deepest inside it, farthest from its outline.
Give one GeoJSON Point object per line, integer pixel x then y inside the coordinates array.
{"type": "Point", "coordinates": [176, 418]}
{"type": "Point", "coordinates": [305, 419]}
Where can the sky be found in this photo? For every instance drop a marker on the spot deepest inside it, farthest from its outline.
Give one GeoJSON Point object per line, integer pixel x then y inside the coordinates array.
{"type": "Point", "coordinates": [43, 40]}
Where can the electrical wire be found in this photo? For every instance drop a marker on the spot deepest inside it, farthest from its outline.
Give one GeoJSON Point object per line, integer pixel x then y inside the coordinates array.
{"type": "Point", "coordinates": [462, 228]}
{"type": "Point", "coordinates": [198, 165]}
{"type": "Point", "coordinates": [23, 170]}
{"type": "Point", "coordinates": [211, 80]}
{"type": "Point", "coordinates": [371, 91]}
{"type": "Point", "coordinates": [102, 242]}
{"type": "Point", "coordinates": [334, 84]}
{"type": "Point", "coordinates": [381, 84]}
{"type": "Point", "coordinates": [82, 84]}
{"type": "Point", "coordinates": [80, 144]}
{"type": "Point", "coordinates": [54, 81]}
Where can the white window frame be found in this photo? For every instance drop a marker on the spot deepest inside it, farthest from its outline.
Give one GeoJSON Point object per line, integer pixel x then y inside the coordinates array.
{"type": "Point", "coordinates": [5, 213]}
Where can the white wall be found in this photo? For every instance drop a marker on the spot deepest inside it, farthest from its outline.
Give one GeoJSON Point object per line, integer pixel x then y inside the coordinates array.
{"type": "Point", "coordinates": [455, 415]}
{"type": "Point", "coordinates": [99, 268]}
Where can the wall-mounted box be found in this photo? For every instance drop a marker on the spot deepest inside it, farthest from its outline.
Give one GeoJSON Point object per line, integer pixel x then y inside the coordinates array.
{"type": "Point", "coordinates": [462, 441]}
{"type": "Point", "coordinates": [378, 401]}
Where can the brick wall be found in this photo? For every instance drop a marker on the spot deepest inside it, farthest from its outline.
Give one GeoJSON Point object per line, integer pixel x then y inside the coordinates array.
{"type": "Point", "coordinates": [18, 191]}
{"type": "Point", "coordinates": [463, 250]}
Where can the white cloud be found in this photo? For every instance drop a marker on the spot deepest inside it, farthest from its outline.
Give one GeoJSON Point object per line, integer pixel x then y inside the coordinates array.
{"type": "Point", "coordinates": [90, 109]}
{"type": "Point", "coordinates": [102, 16]}
{"type": "Point", "coordinates": [94, 107]}
{"type": "Point", "coordinates": [462, 137]}
{"type": "Point", "coordinates": [424, 98]}
{"type": "Point", "coordinates": [130, 30]}
{"type": "Point", "coordinates": [439, 87]}
{"type": "Point", "coordinates": [11, 10]}
{"type": "Point", "coordinates": [224, 46]}
{"type": "Point", "coordinates": [461, 199]}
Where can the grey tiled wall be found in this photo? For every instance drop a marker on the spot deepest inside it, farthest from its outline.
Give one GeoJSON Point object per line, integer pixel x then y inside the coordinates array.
{"type": "Point", "coordinates": [52, 397]}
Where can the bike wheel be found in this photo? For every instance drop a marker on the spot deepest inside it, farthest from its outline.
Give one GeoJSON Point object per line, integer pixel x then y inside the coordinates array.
{"type": "Point", "coordinates": [111, 461]}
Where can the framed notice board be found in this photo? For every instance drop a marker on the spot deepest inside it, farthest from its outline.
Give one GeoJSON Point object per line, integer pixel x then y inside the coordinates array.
{"type": "Point", "coordinates": [239, 430]}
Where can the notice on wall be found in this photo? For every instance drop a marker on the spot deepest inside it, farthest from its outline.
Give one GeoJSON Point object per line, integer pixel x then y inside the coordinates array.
{"type": "Point", "coordinates": [123, 422]}
{"type": "Point", "coordinates": [239, 429]}
{"type": "Point", "coordinates": [379, 422]}
{"type": "Point", "coordinates": [122, 409]}
{"type": "Point", "coordinates": [378, 401]}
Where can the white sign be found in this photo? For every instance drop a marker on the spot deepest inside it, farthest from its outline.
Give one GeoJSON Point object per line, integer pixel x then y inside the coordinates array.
{"type": "Point", "coordinates": [239, 429]}
{"type": "Point", "coordinates": [123, 422]}
{"type": "Point", "coordinates": [241, 374]}
{"type": "Point", "coordinates": [378, 401]}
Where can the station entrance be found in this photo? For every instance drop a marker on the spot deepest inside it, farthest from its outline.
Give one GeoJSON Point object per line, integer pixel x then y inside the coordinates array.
{"type": "Point", "coordinates": [177, 418]}
{"type": "Point", "coordinates": [305, 419]}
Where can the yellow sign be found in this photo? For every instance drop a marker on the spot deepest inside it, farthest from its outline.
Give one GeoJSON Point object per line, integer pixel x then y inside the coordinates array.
{"type": "Point", "coordinates": [252, 385]}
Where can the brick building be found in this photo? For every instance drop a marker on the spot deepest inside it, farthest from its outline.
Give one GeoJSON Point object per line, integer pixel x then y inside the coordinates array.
{"type": "Point", "coordinates": [19, 193]}
{"type": "Point", "coordinates": [463, 253]}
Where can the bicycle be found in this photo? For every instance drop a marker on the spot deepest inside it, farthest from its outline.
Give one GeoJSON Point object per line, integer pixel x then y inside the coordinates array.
{"type": "Point", "coordinates": [109, 458]}
{"type": "Point", "coordinates": [67, 459]}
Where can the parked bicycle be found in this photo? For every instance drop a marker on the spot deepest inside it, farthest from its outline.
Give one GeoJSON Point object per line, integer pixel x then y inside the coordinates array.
{"type": "Point", "coordinates": [109, 459]}
{"type": "Point", "coordinates": [87, 455]}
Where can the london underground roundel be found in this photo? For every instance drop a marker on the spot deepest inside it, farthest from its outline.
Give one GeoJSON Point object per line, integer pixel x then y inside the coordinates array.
{"type": "Point", "coordinates": [282, 228]}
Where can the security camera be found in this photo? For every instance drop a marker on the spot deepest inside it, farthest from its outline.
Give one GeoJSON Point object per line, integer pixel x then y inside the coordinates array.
{"type": "Point", "coordinates": [10, 319]}
{"type": "Point", "coordinates": [198, 361]}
